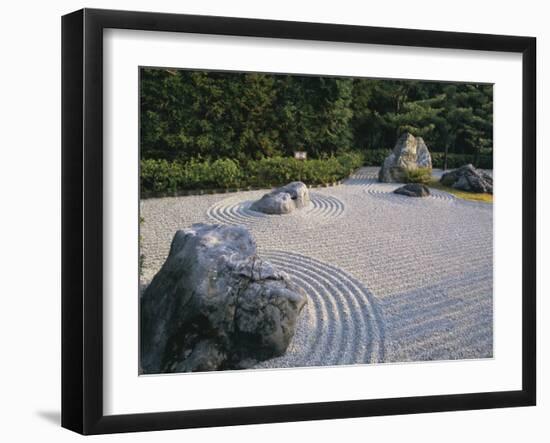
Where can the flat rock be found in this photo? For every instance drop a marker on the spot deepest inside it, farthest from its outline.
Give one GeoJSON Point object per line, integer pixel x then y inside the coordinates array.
{"type": "Point", "coordinates": [216, 305]}
{"type": "Point", "coordinates": [413, 190]}
{"type": "Point", "coordinates": [283, 200]}
{"type": "Point", "coordinates": [409, 153]}
{"type": "Point", "coordinates": [468, 178]}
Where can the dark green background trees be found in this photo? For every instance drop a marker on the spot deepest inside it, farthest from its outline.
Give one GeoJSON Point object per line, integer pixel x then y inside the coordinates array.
{"type": "Point", "coordinates": [208, 115]}
{"type": "Point", "coordinates": [212, 130]}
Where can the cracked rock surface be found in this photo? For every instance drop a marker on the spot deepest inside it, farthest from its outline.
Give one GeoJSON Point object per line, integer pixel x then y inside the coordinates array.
{"type": "Point", "coordinates": [283, 200]}
{"type": "Point", "coordinates": [409, 153]}
{"type": "Point", "coordinates": [468, 178]}
{"type": "Point", "coordinates": [215, 304]}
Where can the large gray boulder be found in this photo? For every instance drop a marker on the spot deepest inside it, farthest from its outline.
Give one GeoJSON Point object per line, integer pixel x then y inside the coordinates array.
{"type": "Point", "coordinates": [216, 305]}
{"type": "Point", "coordinates": [409, 153]}
{"type": "Point", "coordinates": [283, 200]}
{"type": "Point", "coordinates": [468, 178]}
{"type": "Point", "coordinates": [413, 190]}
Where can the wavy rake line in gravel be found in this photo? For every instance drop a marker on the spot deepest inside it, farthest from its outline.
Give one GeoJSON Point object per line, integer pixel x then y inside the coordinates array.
{"type": "Point", "coordinates": [236, 211]}
{"type": "Point", "coordinates": [340, 325]}
{"type": "Point", "coordinates": [367, 179]}
{"type": "Point", "coordinates": [385, 191]}
{"type": "Point", "coordinates": [362, 177]}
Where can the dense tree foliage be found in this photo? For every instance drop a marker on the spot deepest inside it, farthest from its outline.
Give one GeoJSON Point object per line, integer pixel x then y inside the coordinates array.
{"type": "Point", "coordinates": [199, 115]}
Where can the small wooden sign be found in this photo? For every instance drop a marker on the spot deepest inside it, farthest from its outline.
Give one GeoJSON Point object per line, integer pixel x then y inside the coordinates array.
{"type": "Point", "coordinates": [300, 155]}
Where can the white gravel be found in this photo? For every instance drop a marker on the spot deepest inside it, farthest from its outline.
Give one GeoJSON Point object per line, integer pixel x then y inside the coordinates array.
{"type": "Point", "coordinates": [389, 278]}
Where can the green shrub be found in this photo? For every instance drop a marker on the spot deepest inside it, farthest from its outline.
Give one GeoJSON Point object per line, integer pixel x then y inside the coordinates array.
{"type": "Point", "coordinates": [350, 161]}
{"type": "Point", "coordinates": [273, 171]}
{"type": "Point", "coordinates": [193, 172]}
{"type": "Point", "coordinates": [224, 173]}
{"type": "Point", "coordinates": [420, 175]}
{"type": "Point", "coordinates": [163, 177]}
{"type": "Point", "coordinates": [159, 175]}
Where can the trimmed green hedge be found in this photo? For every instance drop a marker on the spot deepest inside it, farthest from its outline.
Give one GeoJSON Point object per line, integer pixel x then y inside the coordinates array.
{"type": "Point", "coordinates": [161, 176]}
{"type": "Point", "coordinates": [375, 157]}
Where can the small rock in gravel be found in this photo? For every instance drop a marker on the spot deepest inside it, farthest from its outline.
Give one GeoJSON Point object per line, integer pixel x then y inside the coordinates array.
{"type": "Point", "coordinates": [468, 178]}
{"type": "Point", "coordinates": [413, 190]}
{"type": "Point", "coordinates": [283, 200]}
{"type": "Point", "coordinates": [216, 305]}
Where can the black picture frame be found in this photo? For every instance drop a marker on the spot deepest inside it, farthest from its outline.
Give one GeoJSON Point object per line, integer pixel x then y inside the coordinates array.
{"type": "Point", "coordinates": [82, 218]}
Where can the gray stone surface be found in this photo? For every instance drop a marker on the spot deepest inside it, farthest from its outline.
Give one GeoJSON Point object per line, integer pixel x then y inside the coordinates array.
{"type": "Point", "coordinates": [274, 203]}
{"type": "Point", "coordinates": [215, 304]}
{"type": "Point", "coordinates": [468, 178]}
{"type": "Point", "coordinates": [388, 278]}
{"type": "Point", "coordinates": [283, 200]}
{"type": "Point", "coordinates": [413, 190]}
{"type": "Point", "coordinates": [409, 153]}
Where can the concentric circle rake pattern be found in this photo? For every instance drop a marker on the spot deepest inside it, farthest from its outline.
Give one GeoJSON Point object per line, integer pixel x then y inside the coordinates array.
{"type": "Point", "coordinates": [385, 191]}
{"type": "Point", "coordinates": [365, 174]}
{"type": "Point", "coordinates": [367, 179]}
{"type": "Point", "coordinates": [236, 211]}
{"type": "Point", "coordinates": [339, 325]}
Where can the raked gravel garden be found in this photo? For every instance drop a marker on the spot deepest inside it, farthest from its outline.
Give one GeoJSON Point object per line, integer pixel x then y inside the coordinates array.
{"type": "Point", "coordinates": [388, 278]}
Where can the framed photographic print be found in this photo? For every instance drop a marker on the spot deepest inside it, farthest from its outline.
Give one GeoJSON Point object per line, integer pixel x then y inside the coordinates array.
{"type": "Point", "coordinates": [269, 221]}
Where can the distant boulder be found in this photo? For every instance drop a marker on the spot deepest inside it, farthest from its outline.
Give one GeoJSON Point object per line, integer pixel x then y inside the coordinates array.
{"type": "Point", "coordinates": [409, 153]}
{"type": "Point", "coordinates": [468, 178]}
{"type": "Point", "coordinates": [283, 200]}
{"type": "Point", "coordinates": [216, 305]}
{"type": "Point", "coordinates": [413, 190]}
